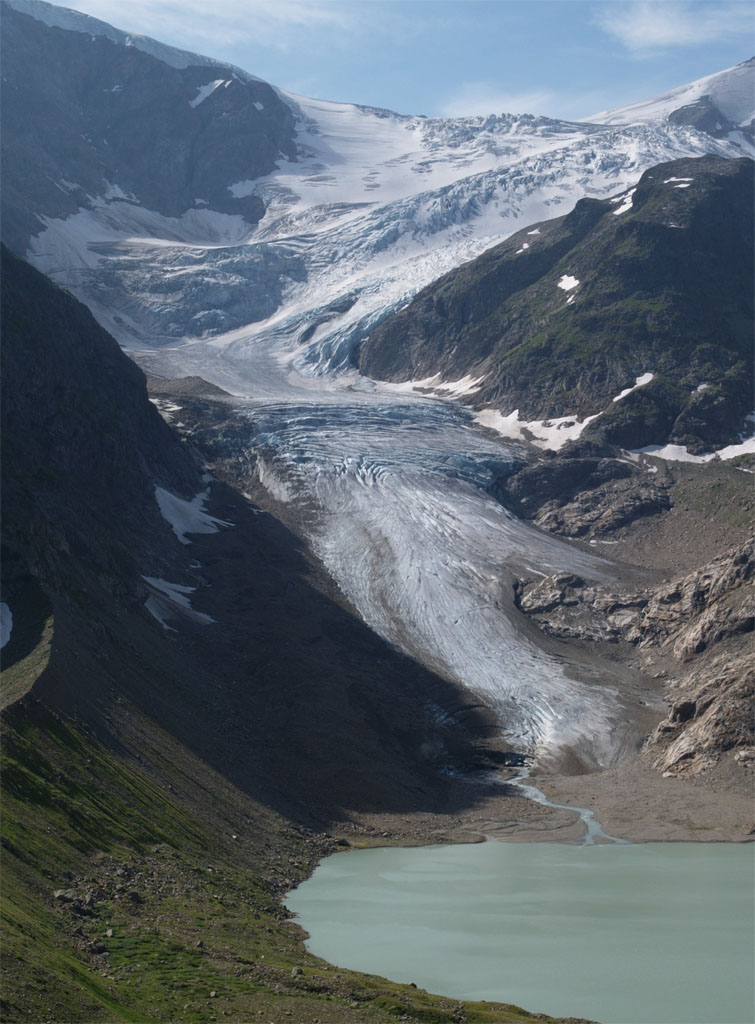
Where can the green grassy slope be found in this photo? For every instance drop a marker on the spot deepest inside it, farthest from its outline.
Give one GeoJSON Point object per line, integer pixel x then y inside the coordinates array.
{"type": "Point", "coordinates": [124, 902]}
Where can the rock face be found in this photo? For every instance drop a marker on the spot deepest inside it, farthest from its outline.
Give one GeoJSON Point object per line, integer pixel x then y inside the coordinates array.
{"type": "Point", "coordinates": [587, 491]}
{"type": "Point", "coordinates": [127, 126]}
{"type": "Point", "coordinates": [82, 446]}
{"type": "Point", "coordinates": [566, 314]}
{"type": "Point", "coordinates": [703, 622]}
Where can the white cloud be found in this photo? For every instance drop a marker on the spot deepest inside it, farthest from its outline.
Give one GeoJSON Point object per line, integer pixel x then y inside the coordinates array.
{"type": "Point", "coordinates": [225, 22]}
{"type": "Point", "coordinates": [486, 98]}
{"type": "Point", "coordinates": [645, 27]}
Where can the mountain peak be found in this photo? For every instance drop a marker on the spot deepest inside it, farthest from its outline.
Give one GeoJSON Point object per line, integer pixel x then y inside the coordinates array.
{"type": "Point", "coordinates": [730, 92]}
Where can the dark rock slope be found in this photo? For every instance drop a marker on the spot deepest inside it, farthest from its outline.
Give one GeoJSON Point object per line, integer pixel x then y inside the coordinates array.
{"type": "Point", "coordinates": [126, 123]}
{"type": "Point", "coordinates": [664, 287]}
{"type": "Point", "coordinates": [82, 446]}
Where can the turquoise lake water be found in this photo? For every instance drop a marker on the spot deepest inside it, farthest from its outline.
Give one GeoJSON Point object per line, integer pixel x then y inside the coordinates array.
{"type": "Point", "coordinates": [654, 933]}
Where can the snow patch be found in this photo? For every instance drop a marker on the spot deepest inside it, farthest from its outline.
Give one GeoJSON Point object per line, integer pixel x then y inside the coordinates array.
{"type": "Point", "coordinates": [258, 106]}
{"type": "Point", "coordinates": [626, 202]}
{"type": "Point", "coordinates": [443, 388]}
{"type": "Point", "coordinates": [170, 599]}
{"type": "Point", "coordinates": [6, 624]}
{"type": "Point", "coordinates": [639, 382]}
{"type": "Point", "coordinates": [206, 90]}
{"type": "Point", "coordinates": [567, 283]}
{"type": "Point", "coordinates": [535, 231]}
{"type": "Point", "coordinates": [668, 181]}
{"type": "Point", "coordinates": [549, 434]}
{"type": "Point", "coordinates": [187, 516]}
{"type": "Point", "coordinates": [679, 453]}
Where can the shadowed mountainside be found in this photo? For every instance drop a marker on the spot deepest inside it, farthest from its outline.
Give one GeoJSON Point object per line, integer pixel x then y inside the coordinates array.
{"type": "Point", "coordinates": [165, 782]}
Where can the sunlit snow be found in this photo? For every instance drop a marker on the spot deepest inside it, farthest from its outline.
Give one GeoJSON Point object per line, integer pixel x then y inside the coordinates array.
{"type": "Point", "coordinates": [639, 382]}
{"type": "Point", "coordinates": [549, 434]}
{"type": "Point", "coordinates": [730, 90]}
{"type": "Point", "coordinates": [435, 384]}
{"type": "Point", "coordinates": [568, 282]}
{"type": "Point", "coordinates": [205, 91]}
{"type": "Point", "coordinates": [679, 453]}
{"type": "Point", "coordinates": [626, 202]}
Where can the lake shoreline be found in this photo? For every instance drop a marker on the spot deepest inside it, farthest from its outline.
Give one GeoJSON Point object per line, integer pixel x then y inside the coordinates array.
{"type": "Point", "coordinates": [632, 801]}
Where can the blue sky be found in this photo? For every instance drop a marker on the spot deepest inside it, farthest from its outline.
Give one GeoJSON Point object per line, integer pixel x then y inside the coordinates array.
{"type": "Point", "coordinates": [563, 58]}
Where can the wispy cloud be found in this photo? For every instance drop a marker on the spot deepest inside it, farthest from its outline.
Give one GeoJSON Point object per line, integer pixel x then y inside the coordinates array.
{"type": "Point", "coordinates": [270, 22]}
{"type": "Point", "coordinates": [487, 98]}
{"type": "Point", "coordinates": [645, 28]}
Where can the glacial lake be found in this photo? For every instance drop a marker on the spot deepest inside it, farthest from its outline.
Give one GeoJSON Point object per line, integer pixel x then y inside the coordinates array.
{"type": "Point", "coordinates": [653, 933]}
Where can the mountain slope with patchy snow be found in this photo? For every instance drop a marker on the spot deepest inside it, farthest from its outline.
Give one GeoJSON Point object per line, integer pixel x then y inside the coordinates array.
{"type": "Point", "coordinates": [656, 282]}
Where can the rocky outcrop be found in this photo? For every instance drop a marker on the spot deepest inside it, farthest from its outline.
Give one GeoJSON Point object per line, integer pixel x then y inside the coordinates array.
{"type": "Point", "coordinates": [586, 491]}
{"type": "Point", "coordinates": [711, 712]}
{"type": "Point", "coordinates": [563, 316]}
{"type": "Point", "coordinates": [701, 623]}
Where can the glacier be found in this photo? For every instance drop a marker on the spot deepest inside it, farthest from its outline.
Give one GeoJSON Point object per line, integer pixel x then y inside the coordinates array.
{"type": "Point", "coordinates": [391, 486]}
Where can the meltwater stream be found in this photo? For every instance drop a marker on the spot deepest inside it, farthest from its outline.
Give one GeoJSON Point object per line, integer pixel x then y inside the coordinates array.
{"type": "Point", "coordinates": [594, 832]}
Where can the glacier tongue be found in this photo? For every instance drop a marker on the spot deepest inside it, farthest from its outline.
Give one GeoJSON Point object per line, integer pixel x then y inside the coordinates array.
{"type": "Point", "coordinates": [403, 522]}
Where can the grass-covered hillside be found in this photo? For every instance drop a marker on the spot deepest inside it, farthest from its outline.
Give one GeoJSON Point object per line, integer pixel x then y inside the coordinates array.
{"type": "Point", "coordinates": [567, 313]}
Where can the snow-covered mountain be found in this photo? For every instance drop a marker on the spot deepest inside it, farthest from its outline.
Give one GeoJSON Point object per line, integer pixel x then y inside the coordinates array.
{"type": "Point", "coordinates": [345, 215]}
{"type": "Point", "coordinates": [222, 227]}
{"type": "Point", "coordinates": [722, 105]}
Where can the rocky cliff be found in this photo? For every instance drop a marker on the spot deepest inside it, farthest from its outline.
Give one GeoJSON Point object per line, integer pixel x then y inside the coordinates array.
{"type": "Point", "coordinates": [697, 627]}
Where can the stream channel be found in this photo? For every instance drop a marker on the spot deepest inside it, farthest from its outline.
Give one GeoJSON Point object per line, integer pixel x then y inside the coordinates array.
{"type": "Point", "coordinates": [617, 932]}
